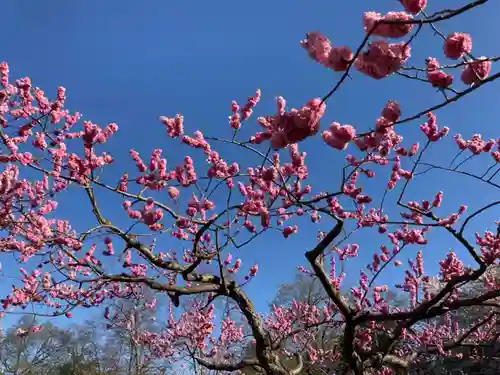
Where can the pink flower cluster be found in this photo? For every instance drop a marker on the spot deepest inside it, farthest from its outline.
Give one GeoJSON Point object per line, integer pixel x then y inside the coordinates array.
{"type": "Point", "coordinates": [4, 74]}
{"type": "Point", "coordinates": [283, 320]}
{"type": "Point", "coordinates": [453, 218]}
{"type": "Point", "coordinates": [407, 236]}
{"type": "Point", "coordinates": [175, 126]}
{"type": "Point", "coordinates": [384, 138]}
{"type": "Point", "coordinates": [148, 215]}
{"type": "Point", "coordinates": [451, 267]}
{"type": "Point", "coordinates": [397, 26]}
{"type": "Point", "coordinates": [457, 45]}
{"type": "Point", "coordinates": [219, 168]}
{"type": "Point", "coordinates": [320, 49]}
{"type": "Point", "coordinates": [195, 325]}
{"type": "Point", "coordinates": [382, 58]}
{"type": "Point", "coordinates": [286, 128]}
{"type": "Point", "coordinates": [490, 247]}
{"type": "Point", "coordinates": [437, 77]}
{"type": "Point", "coordinates": [338, 136]}
{"type": "Point", "coordinates": [431, 130]}
{"type": "Point", "coordinates": [414, 278]}
{"type": "Point", "coordinates": [414, 6]}
{"type": "Point", "coordinates": [245, 112]}
{"type": "Point", "coordinates": [475, 71]}
{"type": "Point", "coordinates": [477, 145]}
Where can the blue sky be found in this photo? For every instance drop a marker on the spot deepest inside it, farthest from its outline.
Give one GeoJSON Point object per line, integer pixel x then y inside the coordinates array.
{"type": "Point", "coordinates": [129, 62]}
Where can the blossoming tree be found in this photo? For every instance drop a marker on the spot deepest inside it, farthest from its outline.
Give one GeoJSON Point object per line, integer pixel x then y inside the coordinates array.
{"type": "Point", "coordinates": [42, 158]}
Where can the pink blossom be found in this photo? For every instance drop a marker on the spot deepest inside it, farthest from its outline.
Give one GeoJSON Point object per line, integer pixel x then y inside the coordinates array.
{"type": "Point", "coordinates": [391, 111]}
{"type": "Point", "coordinates": [260, 137]}
{"type": "Point", "coordinates": [39, 141]}
{"type": "Point", "coordinates": [138, 270]}
{"type": "Point", "coordinates": [438, 199]}
{"type": "Point", "coordinates": [431, 130]}
{"type": "Point", "coordinates": [127, 261]}
{"type": "Point", "coordinates": [234, 121]}
{"type": "Point", "coordinates": [420, 264]}
{"type": "Point", "coordinates": [457, 45]}
{"type": "Point", "coordinates": [414, 6]}
{"type": "Point", "coordinates": [451, 266]}
{"type": "Point", "coordinates": [338, 136]}
{"type": "Point", "coordinates": [453, 218]}
{"type": "Point", "coordinates": [4, 74]}
{"type": "Point", "coordinates": [109, 247]}
{"type": "Point", "coordinates": [438, 78]}
{"type": "Point", "coordinates": [339, 59]}
{"type": "Point", "coordinates": [250, 226]}
{"type": "Point", "coordinates": [489, 246]}
{"type": "Point", "coordinates": [123, 183]}
{"type": "Point", "coordinates": [461, 143]}
{"type": "Point", "coordinates": [230, 332]}
{"type": "Point", "coordinates": [173, 192]}
{"type": "Point", "coordinates": [476, 145]}
{"type": "Point", "coordinates": [476, 71]}
{"type": "Point", "coordinates": [46, 280]}
{"type": "Point", "coordinates": [374, 23]}
{"type": "Point", "coordinates": [67, 268]}
{"type": "Point", "coordinates": [35, 329]}
{"type": "Point", "coordinates": [175, 126]}
{"type": "Point", "coordinates": [496, 156]}
{"type": "Point", "coordinates": [138, 161]}
{"type": "Point", "coordinates": [382, 58]}
{"type": "Point", "coordinates": [236, 266]}
{"type": "Point", "coordinates": [253, 270]}
{"type": "Point", "coordinates": [286, 128]}
{"type": "Point", "coordinates": [290, 230]}
{"type": "Point", "coordinates": [152, 304]}
{"type": "Point", "coordinates": [270, 174]}
{"type": "Point", "coordinates": [317, 45]}
{"type": "Point", "coordinates": [252, 101]}
{"type": "Point", "coordinates": [198, 141]}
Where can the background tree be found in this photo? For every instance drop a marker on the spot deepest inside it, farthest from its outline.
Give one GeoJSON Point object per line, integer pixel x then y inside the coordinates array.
{"type": "Point", "coordinates": [28, 348]}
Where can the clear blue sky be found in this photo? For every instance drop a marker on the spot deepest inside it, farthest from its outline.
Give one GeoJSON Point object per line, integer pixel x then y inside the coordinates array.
{"type": "Point", "coordinates": [129, 62]}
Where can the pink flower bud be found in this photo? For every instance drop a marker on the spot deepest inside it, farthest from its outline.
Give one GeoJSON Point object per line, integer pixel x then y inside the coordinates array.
{"type": "Point", "coordinates": [173, 192]}
{"type": "Point", "coordinates": [438, 199]}
{"type": "Point", "coordinates": [290, 230]}
{"type": "Point", "coordinates": [253, 270]}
